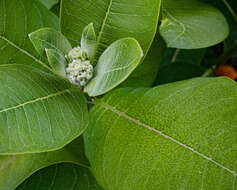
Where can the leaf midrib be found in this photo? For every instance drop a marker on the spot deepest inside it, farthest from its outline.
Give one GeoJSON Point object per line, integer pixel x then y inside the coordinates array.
{"type": "Point", "coordinates": [34, 100]}
{"type": "Point", "coordinates": [24, 52]}
{"type": "Point", "coordinates": [102, 26]}
{"type": "Point", "coordinates": [137, 122]}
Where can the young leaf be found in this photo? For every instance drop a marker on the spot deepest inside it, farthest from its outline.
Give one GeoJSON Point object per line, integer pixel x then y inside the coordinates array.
{"type": "Point", "coordinates": [175, 136]}
{"type": "Point", "coordinates": [190, 24]}
{"type": "Point", "coordinates": [48, 38]}
{"type": "Point", "coordinates": [114, 66]}
{"type": "Point", "coordinates": [38, 111]}
{"type": "Point", "coordinates": [57, 61]}
{"type": "Point", "coordinates": [145, 74]}
{"type": "Point", "coordinates": [88, 40]}
{"type": "Point", "coordinates": [61, 176]}
{"type": "Point", "coordinates": [17, 20]}
{"type": "Point", "coordinates": [112, 21]}
{"type": "Point", "coordinates": [15, 169]}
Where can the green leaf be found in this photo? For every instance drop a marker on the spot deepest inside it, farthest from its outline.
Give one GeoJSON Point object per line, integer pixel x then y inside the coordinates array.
{"type": "Point", "coordinates": [112, 21]}
{"type": "Point", "coordinates": [190, 24]}
{"type": "Point", "coordinates": [15, 169]}
{"type": "Point", "coordinates": [114, 66]}
{"type": "Point", "coordinates": [174, 136]}
{"type": "Point", "coordinates": [88, 40]}
{"type": "Point", "coordinates": [178, 71]}
{"type": "Point", "coordinates": [145, 74]}
{"type": "Point", "coordinates": [57, 61]}
{"type": "Point", "coordinates": [180, 64]}
{"type": "Point", "coordinates": [48, 38]}
{"type": "Point", "coordinates": [17, 20]}
{"type": "Point", "coordinates": [61, 176]}
{"type": "Point", "coordinates": [38, 111]}
{"type": "Point", "coordinates": [49, 3]}
{"type": "Point", "coordinates": [228, 8]}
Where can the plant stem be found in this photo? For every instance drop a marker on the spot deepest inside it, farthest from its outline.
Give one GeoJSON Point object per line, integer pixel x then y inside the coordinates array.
{"type": "Point", "coordinates": [230, 9]}
{"type": "Point", "coordinates": [208, 72]}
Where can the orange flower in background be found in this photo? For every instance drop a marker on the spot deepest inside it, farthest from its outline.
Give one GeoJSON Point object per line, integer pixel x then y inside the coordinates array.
{"type": "Point", "coordinates": [228, 71]}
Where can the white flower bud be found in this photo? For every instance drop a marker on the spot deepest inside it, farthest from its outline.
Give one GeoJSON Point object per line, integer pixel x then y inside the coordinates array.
{"type": "Point", "coordinates": [79, 72]}
{"type": "Point", "coordinates": [76, 53]}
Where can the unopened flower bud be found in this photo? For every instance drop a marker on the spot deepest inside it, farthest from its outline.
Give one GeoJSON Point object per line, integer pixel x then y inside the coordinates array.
{"type": "Point", "coordinates": [76, 53]}
{"type": "Point", "coordinates": [79, 72]}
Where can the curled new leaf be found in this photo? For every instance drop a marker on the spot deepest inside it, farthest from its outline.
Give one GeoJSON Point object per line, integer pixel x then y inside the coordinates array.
{"type": "Point", "coordinates": [88, 40]}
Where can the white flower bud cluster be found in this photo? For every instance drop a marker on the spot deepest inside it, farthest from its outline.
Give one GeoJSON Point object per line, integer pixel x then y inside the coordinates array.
{"type": "Point", "coordinates": [76, 53]}
{"type": "Point", "coordinates": [79, 70]}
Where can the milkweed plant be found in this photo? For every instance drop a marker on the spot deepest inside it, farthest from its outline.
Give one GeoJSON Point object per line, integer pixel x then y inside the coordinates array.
{"type": "Point", "coordinates": [118, 95]}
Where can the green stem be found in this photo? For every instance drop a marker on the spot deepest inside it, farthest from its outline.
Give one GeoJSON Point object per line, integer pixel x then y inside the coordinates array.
{"type": "Point", "coordinates": [230, 9]}
{"type": "Point", "coordinates": [208, 72]}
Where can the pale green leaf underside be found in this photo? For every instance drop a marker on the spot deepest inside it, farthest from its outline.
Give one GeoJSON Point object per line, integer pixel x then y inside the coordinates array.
{"type": "Point", "coordinates": [57, 61]}
{"type": "Point", "coordinates": [112, 19]}
{"type": "Point", "coordinates": [15, 169]}
{"type": "Point", "coordinates": [114, 66]}
{"type": "Point", "coordinates": [145, 74]}
{"type": "Point", "coordinates": [49, 3]}
{"type": "Point", "coordinates": [48, 38]}
{"type": "Point", "coordinates": [176, 136]}
{"type": "Point", "coordinates": [190, 24]}
{"type": "Point", "coordinates": [61, 177]}
{"type": "Point", "coordinates": [17, 20]}
{"type": "Point", "coordinates": [88, 40]}
{"type": "Point", "coordinates": [38, 111]}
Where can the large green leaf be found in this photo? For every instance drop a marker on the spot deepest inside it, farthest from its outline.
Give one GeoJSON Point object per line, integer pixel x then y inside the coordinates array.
{"type": "Point", "coordinates": [114, 66]}
{"type": "Point", "coordinates": [190, 24]}
{"type": "Point", "coordinates": [17, 20]}
{"type": "Point", "coordinates": [61, 177]}
{"type": "Point", "coordinates": [15, 169]}
{"type": "Point", "coordinates": [112, 20]}
{"type": "Point", "coordinates": [38, 111]}
{"type": "Point", "coordinates": [175, 136]}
